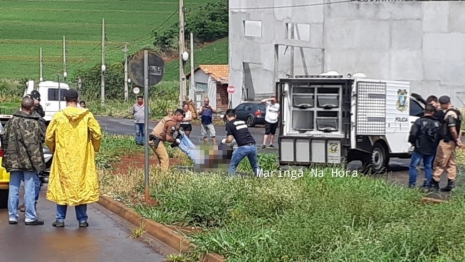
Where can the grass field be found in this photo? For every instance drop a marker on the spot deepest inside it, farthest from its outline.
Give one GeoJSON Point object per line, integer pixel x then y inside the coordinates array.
{"type": "Point", "coordinates": [212, 54]}
{"type": "Point", "coordinates": [25, 26]}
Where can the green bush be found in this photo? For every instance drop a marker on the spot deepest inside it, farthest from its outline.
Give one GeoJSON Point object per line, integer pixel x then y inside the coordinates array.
{"type": "Point", "coordinates": [11, 90]}
{"type": "Point", "coordinates": [208, 23]}
{"type": "Point", "coordinates": [163, 97]}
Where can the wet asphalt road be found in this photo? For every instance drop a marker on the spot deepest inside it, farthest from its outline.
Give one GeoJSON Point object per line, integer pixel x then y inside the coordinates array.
{"type": "Point", "coordinates": [122, 126]}
{"type": "Point", "coordinates": [108, 238]}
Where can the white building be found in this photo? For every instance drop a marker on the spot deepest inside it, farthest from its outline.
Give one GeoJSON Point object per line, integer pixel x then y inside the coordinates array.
{"type": "Point", "coordinates": [210, 81]}
{"type": "Point", "coordinates": [419, 42]}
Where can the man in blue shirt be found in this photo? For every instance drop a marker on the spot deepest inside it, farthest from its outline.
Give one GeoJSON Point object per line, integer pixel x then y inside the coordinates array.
{"type": "Point", "coordinates": [246, 147]}
{"type": "Point", "coordinates": [206, 111]}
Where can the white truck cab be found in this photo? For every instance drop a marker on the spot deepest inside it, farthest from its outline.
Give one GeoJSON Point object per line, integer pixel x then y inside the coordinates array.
{"type": "Point", "coordinates": [51, 96]}
{"type": "Point", "coordinates": [331, 119]}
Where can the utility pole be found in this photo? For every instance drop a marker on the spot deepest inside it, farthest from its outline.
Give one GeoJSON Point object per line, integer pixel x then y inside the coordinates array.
{"type": "Point", "coordinates": [65, 74]}
{"type": "Point", "coordinates": [292, 52]}
{"type": "Point", "coordinates": [41, 66]}
{"type": "Point", "coordinates": [126, 91]}
{"type": "Point", "coordinates": [182, 47]}
{"type": "Point", "coordinates": [102, 78]}
{"type": "Point", "coordinates": [192, 80]}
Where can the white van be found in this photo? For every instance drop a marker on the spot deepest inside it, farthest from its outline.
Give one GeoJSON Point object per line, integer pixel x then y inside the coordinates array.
{"type": "Point", "coordinates": [51, 96]}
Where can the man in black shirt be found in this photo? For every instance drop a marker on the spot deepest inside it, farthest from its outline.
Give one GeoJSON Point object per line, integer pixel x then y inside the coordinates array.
{"type": "Point", "coordinates": [237, 130]}
{"type": "Point", "coordinates": [424, 136]}
{"type": "Point", "coordinates": [439, 113]}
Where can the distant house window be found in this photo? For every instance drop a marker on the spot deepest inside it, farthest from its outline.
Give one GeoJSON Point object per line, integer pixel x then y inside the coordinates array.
{"type": "Point", "coordinates": [253, 28]}
{"type": "Point", "coordinates": [201, 86]}
{"type": "Point", "coordinates": [298, 31]}
{"type": "Point", "coordinates": [54, 94]}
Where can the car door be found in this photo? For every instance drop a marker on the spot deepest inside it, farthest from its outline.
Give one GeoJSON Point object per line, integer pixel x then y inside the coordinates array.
{"type": "Point", "coordinates": [240, 111]}
{"type": "Point", "coordinates": [247, 111]}
{"type": "Point", "coordinates": [416, 111]}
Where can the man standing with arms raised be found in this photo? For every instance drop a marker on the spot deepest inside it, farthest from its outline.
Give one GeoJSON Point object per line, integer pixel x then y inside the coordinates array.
{"type": "Point", "coordinates": [206, 111]}
{"type": "Point", "coordinates": [74, 137]}
{"type": "Point", "coordinates": [271, 120]}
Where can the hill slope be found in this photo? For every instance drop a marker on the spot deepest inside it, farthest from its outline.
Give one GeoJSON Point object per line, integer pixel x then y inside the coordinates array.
{"type": "Point", "coordinates": [28, 25]}
{"type": "Point", "coordinates": [213, 53]}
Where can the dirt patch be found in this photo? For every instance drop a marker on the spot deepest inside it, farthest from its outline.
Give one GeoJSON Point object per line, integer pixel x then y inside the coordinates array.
{"type": "Point", "coordinates": [137, 161]}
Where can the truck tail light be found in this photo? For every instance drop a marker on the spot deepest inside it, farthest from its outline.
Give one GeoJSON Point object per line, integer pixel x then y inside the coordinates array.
{"type": "Point", "coordinates": [1, 152]}
{"type": "Point", "coordinates": [258, 113]}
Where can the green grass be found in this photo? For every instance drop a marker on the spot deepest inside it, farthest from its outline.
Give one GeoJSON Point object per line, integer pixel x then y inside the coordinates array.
{"type": "Point", "coordinates": [309, 219]}
{"type": "Point", "coordinates": [212, 54]}
{"type": "Point", "coordinates": [325, 218]}
{"type": "Point", "coordinates": [25, 26]}
{"type": "Point", "coordinates": [113, 147]}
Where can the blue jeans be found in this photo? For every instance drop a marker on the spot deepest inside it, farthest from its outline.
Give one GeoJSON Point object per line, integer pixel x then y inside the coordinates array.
{"type": "Point", "coordinates": [29, 195]}
{"type": "Point", "coordinates": [81, 213]}
{"type": "Point", "coordinates": [140, 128]}
{"type": "Point", "coordinates": [37, 187]}
{"type": "Point", "coordinates": [240, 153]}
{"type": "Point", "coordinates": [427, 164]}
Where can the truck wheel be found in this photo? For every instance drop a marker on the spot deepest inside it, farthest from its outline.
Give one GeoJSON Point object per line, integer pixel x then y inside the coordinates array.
{"type": "Point", "coordinates": [4, 198]}
{"type": "Point", "coordinates": [377, 161]}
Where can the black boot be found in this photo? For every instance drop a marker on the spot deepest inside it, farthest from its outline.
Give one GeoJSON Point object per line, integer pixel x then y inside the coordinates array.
{"type": "Point", "coordinates": [449, 187]}
{"type": "Point", "coordinates": [434, 186]}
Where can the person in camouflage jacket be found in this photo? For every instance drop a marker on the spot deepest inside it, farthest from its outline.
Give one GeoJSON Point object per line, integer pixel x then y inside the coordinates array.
{"type": "Point", "coordinates": [22, 139]}
{"type": "Point", "coordinates": [39, 112]}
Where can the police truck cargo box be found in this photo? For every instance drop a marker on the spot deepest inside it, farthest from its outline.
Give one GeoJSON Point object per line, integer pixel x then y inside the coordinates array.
{"type": "Point", "coordinates": [336, 120]}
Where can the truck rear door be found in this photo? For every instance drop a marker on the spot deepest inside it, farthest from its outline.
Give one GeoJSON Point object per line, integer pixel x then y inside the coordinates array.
{"type": "Point", "coordinates": [51, 101]}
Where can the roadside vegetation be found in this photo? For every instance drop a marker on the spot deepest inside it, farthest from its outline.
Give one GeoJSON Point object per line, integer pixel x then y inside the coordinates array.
{"type": "Point", "coordinates": [317, 217]}
{"type": "Point", "coordinates": [155, 30]}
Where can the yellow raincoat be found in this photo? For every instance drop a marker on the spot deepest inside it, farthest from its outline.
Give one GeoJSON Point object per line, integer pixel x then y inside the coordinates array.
{"type": "Point", "coordinates": [73, 136]}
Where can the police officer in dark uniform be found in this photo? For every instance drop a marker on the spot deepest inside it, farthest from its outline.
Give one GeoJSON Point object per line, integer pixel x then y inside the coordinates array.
{"type": "Point", "coordinates": [246, 146]}
{"type": "Point", "coordinates": [37, 106]}
{"type": "Point", "coordinates": [451, 139]}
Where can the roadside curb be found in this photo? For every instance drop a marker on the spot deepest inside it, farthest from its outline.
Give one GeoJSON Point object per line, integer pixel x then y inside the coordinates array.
{"type": "Point", "coordinates": [157, 230]}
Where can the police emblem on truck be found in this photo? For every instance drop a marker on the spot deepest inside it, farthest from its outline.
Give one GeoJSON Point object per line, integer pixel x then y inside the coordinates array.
{"type": "Point", "coordinates": [333, 147]}
{"type": "Point", "coordinates": [402, 100]}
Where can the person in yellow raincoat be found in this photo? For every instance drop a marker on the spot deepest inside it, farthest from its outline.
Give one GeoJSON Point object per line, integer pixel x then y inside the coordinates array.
{"type": "Point", "coordinates": [74, 137]}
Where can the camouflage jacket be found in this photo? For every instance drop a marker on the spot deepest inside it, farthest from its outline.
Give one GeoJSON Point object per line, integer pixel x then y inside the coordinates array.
{"type": "Point", "coordinates": [22, 139]}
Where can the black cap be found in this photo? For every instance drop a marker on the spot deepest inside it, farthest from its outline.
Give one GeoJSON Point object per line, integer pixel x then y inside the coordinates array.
{"type": "Point", "coordinates": [71, 94]}
{"type": "Point", "coordinates": [35, 94]}
{"type": "Point", "coordinates": [180, 111]}
{"type": "Point", "coordinates": [444, 100]}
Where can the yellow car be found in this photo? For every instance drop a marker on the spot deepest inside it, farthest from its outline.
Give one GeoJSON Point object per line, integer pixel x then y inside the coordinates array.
{"type": "Point", "coordinates": [4, 184]}
{"type": "Point", "coordinates": [4, 180]}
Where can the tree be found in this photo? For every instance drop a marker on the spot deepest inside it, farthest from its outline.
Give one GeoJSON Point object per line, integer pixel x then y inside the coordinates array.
{"type": "Point", "coordinates": [207, 23]}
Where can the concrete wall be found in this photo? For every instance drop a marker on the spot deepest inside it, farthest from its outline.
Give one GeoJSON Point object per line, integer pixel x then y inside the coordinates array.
{"type": "Point", "coordinates": [420, 42]}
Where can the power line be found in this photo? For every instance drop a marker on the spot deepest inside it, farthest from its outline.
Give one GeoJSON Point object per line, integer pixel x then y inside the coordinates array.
{"type": "Point", "coordinates": [82, 60]}
{"type": "Point", "coordinates": [158, 27]}
{"type": "Point", "coordinates": [288, 6]}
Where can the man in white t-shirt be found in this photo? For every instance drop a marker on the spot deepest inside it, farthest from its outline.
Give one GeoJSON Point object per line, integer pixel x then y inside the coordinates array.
{"type": "Point", "coordinates": [271, 119]}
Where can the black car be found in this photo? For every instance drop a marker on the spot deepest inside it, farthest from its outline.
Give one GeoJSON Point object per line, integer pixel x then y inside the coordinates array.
{"type": "Point", "coordinates": [253, 113]}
